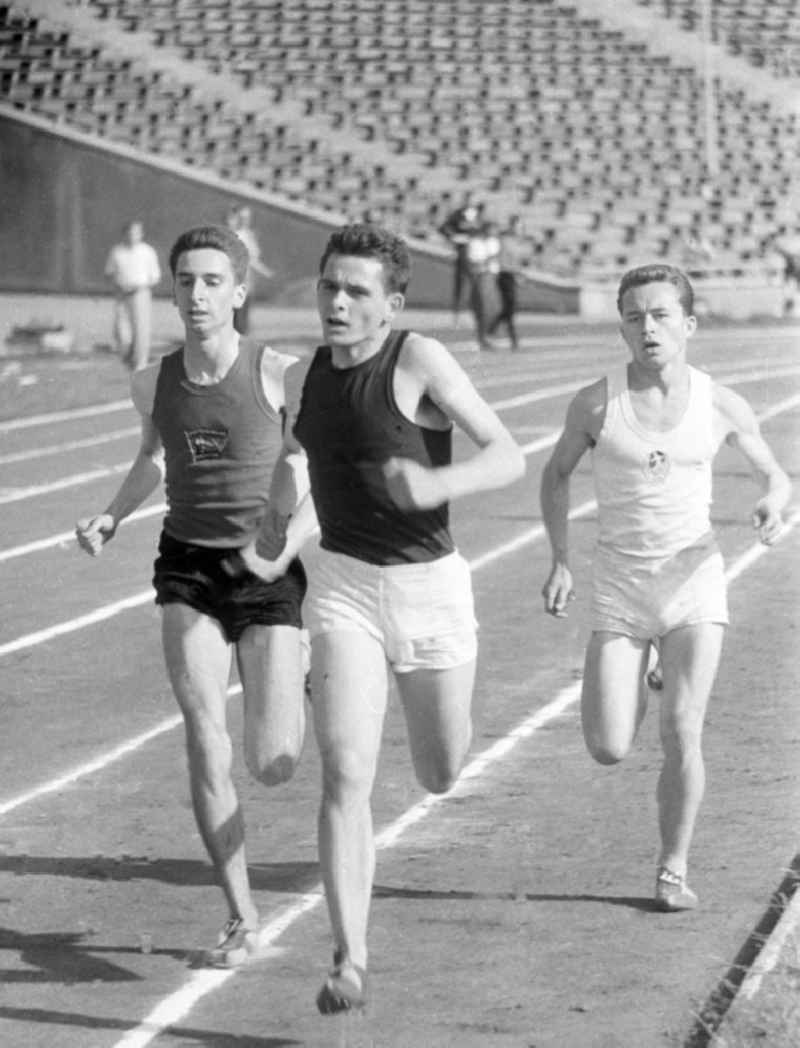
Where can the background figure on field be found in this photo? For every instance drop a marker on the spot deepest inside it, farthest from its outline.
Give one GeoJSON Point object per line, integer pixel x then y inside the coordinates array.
{"type": "Point", "coordinates": [132, 267]}
{"type": "Point", "coordinates": [458, 227]}
{"type": "Point", "coordinates": [512, 256]}
{"type": "Point", "coordinates": [786, 244]}
{"type": "Point", "coordinates": [240, 220]}
{"type": "Point", "coordinates": [483, 254]}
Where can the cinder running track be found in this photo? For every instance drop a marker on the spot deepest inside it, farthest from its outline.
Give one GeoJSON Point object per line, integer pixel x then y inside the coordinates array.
{"type": "Point", "coordinates": [514, 911]}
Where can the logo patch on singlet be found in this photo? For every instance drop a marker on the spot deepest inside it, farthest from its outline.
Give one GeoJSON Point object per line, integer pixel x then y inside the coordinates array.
{"type": "Point", "coordinates": [206, 443]}
{"type": "Point", "coordinates": [658, 465]}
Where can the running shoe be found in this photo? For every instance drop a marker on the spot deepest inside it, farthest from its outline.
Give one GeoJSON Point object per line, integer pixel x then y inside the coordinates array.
{"type": "Point", "coordinates": [236, 945]}
{"type": "Point", "coordinates": [345, 989]}
{"type": "Point", "coordinates": [672, 892]}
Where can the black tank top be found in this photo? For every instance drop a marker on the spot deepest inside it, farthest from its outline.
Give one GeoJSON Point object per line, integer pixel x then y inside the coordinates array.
{"type": "Point", "coordinates": [349, 424]}
{"type": "Point", "coordinates": [220, 445]}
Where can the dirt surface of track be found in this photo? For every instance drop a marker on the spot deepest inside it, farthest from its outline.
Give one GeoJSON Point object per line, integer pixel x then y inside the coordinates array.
{"type": "Point", "coordinates": [512, 913]}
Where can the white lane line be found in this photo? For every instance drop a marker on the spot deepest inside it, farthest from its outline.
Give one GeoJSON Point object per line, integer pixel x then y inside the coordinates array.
{"type": "Point", "coordinates": [75, 480]}
{"type": "Point", "coordinates": [107, 611]}
{"type": "Point", "coordinates": [70, 445]}
{"type": "Point", "coordinates": [65, 416]}
{"type": "Point", "coordinates": [770, 953]}
{"type": "Point", "coordinates": [100, 762]}
{"type": "Point", "coordinates": [67, 538]}
{"type": "Point", "coordinates": [780, 407]}
{"type": "Point", "coordinates": [172, 1009]}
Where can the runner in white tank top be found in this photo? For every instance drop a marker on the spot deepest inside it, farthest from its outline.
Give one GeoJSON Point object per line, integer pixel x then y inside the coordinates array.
{"type": "Point", "coordinates": [658, 577]}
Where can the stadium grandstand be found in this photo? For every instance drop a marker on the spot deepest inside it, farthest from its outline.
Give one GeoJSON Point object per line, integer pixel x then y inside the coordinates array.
{"type": "Point", "coordinates": [612, 128]}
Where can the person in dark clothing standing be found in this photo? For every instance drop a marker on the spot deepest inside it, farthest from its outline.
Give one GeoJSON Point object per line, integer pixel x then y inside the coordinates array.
{"type": "Point", "coordinates": [513, 251]}
{"type": "Point", "coordinates": [459, 227]}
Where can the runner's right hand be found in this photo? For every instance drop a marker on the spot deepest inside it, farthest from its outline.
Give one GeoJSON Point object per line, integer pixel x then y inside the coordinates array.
{"type": "Point", "coordinates": [558, 591]}
{"type": "Point", "coordinates": [93, 533]}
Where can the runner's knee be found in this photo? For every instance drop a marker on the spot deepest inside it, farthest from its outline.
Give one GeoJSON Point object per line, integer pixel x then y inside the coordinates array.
{"type": "Point", "coordinates": [347, 774]}
{"type": "Point", "coordinates": [681, 733]}
{"type": "Point", "coordinates": [440, 777]}
{"type": "Point", "coordinates": [270, 767]}
{"type": "Point", "coordinates": [606, 750]}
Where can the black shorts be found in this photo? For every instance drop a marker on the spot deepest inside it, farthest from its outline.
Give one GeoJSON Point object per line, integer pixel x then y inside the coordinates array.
{"type": "Point", "coordinates": [194, 575]}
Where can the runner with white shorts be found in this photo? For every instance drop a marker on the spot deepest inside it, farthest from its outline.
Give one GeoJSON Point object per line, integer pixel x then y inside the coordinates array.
{"type": "Point", "coordinates": [653, 427]}
{"type": "Point", "coordinates": [387, 586]}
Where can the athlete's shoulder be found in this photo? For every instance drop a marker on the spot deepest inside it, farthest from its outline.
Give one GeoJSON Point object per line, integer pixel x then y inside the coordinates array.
{"type": "Point", "coordinates": [587, 409]}
{"type": "Point", "coordinates": [423, 352]}
{"type": "Point", "coordinates": [732, 413]}
{"type": "Point", "coordinates": [592, 397]}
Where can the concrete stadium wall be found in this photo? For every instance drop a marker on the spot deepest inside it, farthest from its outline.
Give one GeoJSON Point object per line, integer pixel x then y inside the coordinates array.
{"type": "Point", "coordinates": [65, 198]}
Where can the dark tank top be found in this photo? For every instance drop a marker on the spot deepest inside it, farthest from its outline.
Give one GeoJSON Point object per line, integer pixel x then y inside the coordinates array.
{"type": "Point", "coordinates": [349, 425]}
{"type": "Point", "coordinates": [220, 443]}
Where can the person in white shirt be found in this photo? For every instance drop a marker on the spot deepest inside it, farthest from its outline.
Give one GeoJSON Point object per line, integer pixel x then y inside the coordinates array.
{"type": "Point", "coordinates": [653, 427]}
{"type": "Point", "coordinates": [240, 220]}
{"type": "Point", "coordinates": [133, 269]}
{"type": "Point", "coordinates": [483, 252]}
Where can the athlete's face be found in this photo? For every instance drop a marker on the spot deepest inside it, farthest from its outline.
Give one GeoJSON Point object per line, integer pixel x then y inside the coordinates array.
{"type": "Point", "coordinates": [654, 325]}
{"type": "Point", "coordinates": [206, 291]}
{"type": "Point", "coordinates": [354, 306]}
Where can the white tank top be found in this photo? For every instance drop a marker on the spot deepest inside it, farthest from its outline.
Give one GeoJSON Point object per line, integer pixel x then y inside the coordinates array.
{"type": "Point", "coordinates": [654, 488]}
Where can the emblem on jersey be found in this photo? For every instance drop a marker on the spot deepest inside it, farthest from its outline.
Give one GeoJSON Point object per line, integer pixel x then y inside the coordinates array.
{"type": "Point", "coordinates": [657, 467]}
{"type": "Point", "coordinates": [206, 443]}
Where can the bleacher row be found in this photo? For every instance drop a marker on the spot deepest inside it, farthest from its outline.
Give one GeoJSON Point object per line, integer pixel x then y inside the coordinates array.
{"type": "Point", "coordinates": [764, 32]}
{"type": "Point", "coordinates": [596, 142]}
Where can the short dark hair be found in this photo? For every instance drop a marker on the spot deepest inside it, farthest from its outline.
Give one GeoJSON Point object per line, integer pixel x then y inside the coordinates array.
{"type": "Point", "coordinates": [658, 272]}
{"type": "Point", "coordinates": [220, 238]}
{"type": "Point", "coordinates": [365, 240]}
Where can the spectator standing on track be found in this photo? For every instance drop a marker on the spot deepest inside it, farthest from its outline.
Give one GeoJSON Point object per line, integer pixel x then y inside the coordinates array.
{"type": "Point", "coordinates": [132, 267]}
{"type": "Point", "coordinates": [211, 417]}
{"type": "Point", "coordinates": [654, 426]}
{"type": "Point", "coordinates": [240, 220]}
{"type": "Point", "coordinates": [387, 584]}
{"type": "Point", "coordinates": [459, 227]}
{"type": "Point", "coordinates": [483, 253]}
{"type": "Point", "coordinates": [786, 244]}
{"type": "Point", "coordinates": [511, 255]}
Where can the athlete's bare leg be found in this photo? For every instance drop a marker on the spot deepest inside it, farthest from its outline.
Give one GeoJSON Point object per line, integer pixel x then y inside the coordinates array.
{"type": "Point", "coordinates": [614, 696]}
{"type": "Point", "coordinates": [348, 684]}
{"type": "Point", "coordinates": [689, 660]}
{"type": "Point", "coordinates": [272, 671]}
{"type": "Point", "coordinates": [198, 659]}
{"type": "Point", "coordinates": [437, 706]}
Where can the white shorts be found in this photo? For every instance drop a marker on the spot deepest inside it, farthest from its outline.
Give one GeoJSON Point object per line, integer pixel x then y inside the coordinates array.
{"type": "Point", "coordinates": [422, 614]}
{"type": "Point", "coordinates": [648, 597]}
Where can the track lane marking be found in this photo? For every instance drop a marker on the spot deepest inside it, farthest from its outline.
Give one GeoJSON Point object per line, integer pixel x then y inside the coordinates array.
{"type": "Point", "coordinates": [72, 445]}
{"type": "Point", "coordinates": [68, 415]}
{"type": "Point", "coordinates": [67, 538]}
